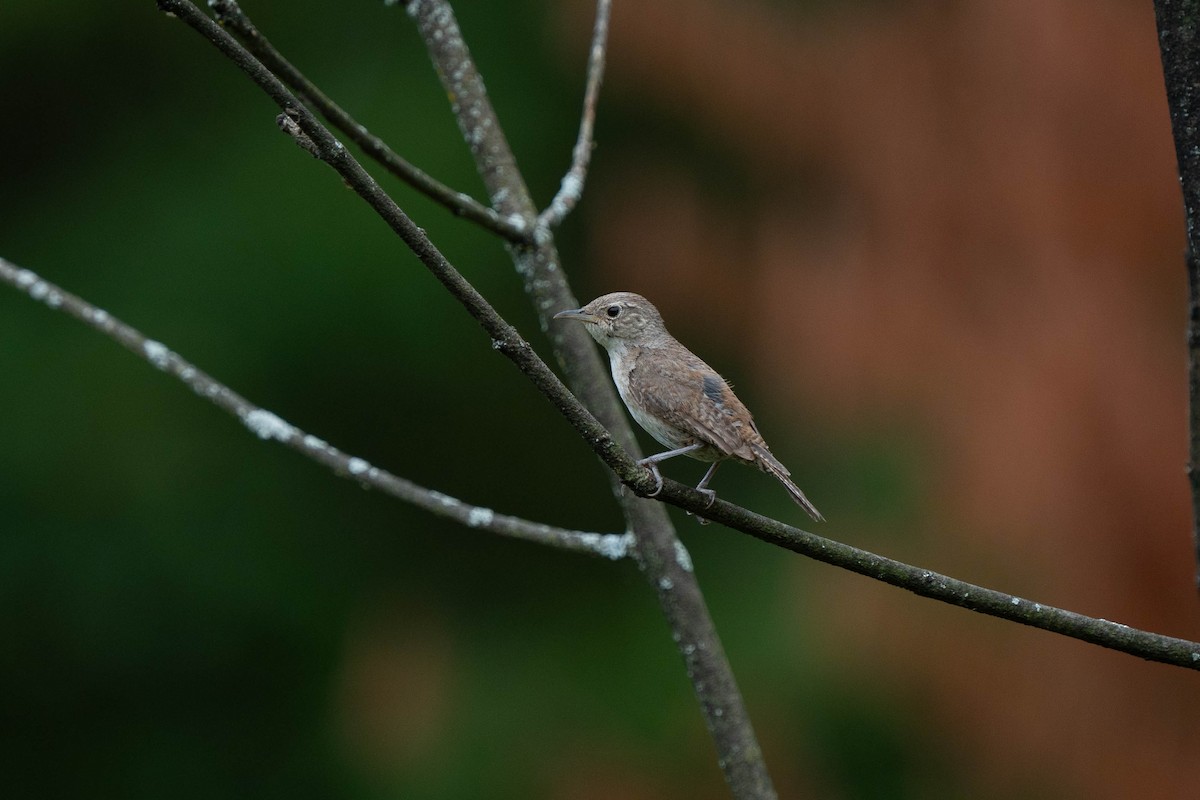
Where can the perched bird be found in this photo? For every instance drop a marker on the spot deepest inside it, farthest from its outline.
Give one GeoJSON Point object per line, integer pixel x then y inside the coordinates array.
{"type": "Point", "coordinates": [680, 401]}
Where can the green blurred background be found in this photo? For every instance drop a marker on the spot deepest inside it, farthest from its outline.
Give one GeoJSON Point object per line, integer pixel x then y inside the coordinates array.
{"type": "Point", "coordinates": [186, 611]}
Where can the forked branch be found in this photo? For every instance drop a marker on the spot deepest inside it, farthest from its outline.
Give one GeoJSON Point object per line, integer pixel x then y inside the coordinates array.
{"type": "Point", "coordinates": [230, 15]}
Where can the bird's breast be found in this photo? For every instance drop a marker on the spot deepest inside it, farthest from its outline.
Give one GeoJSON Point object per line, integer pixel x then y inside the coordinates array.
{"type": "Point", "coordinates": [650, 415]}
{"type": "Point", "coordinates": [623, 365]}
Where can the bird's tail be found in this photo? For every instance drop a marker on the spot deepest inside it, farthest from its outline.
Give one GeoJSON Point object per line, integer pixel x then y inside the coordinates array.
{"type": "Point", "coordinates": [771, 464]}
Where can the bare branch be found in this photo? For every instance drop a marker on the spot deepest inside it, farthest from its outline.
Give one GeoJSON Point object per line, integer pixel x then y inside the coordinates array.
{"type": "Point", "coordinates": [267, 425]}
{"type": "Point", "coordinates": [230, 15]}
{"type": "Point", "coordinates": [571, 189]}
{"type": "Point", "coordinates": [638, 479]}
{"type": "Point", "coordinates": [1179, 43]}
{"type": "Point", "coordinates": [1111, 635]}
{"type": "Point", "coordinates": [659, 550]}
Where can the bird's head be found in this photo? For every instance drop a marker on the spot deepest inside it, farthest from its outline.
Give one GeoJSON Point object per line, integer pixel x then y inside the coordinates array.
{"type": "Point", "coordinates": [620, 318]}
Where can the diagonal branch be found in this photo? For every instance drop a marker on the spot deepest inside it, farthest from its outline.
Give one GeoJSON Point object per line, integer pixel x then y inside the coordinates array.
{"type": "Point", "coordinates": [1179, 42]}
{"type": "Point", "coordinates": [230, 15]}
{"type": "Point", "coordinates": [1111, 635]}
{"type": "Point", "coordinates": [571, 189]}
{"type": "Point", "coordinates": [267, 425]}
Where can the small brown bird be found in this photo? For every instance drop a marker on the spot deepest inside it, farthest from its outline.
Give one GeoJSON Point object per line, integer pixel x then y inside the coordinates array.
{"type": "Point", "coordinates": [680, 401]}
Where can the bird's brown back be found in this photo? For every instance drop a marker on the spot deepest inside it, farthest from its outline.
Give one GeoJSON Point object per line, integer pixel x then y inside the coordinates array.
{"type": "Point", "coordinates": [674, 385]}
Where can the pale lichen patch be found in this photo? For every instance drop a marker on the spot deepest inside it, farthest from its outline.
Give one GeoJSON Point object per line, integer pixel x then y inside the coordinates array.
{"type": "Point", "coordinates": [479, 517]}
{"type": "Point", "coordinates": [156, 352]}
{"type": "Point", "coordinates": [265, 425]}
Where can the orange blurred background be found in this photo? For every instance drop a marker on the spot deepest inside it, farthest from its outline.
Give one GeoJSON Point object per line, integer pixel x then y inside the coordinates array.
{"type": "Point", "coordinates": [962, 223]}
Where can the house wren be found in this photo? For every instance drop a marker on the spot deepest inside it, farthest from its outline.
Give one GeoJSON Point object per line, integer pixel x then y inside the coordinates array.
{"type": "Point", "coordinates": [680, 401]}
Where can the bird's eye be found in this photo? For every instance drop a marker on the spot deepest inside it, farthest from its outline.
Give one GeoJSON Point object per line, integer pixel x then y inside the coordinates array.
{"type": "Point", "coordinates": [612, 311]}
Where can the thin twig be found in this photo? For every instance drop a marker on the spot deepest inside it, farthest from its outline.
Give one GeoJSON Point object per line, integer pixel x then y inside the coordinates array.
{"type": "Point", "coordinates": [267, 425]}
{"type": "Point", "coordinates": [1179, 43]}
{"type": "Point", "coordinates": [1110, 635]}
{"type": "Point", "coordinates": [230, 14]}
{"type": "Point", "coordinates": [571, 189]}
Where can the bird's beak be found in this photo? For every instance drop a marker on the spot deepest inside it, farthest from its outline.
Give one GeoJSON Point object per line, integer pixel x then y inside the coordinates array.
{"type": "Point", "coordinates": [575, 313]}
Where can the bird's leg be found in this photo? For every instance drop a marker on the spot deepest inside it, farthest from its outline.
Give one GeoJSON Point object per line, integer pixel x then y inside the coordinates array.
{"type": "Point", "coordinates": [700, 487]}
{"type": "Point", "coordinates": [678, 451]}
{"type": "Point", "coordinates": [651, 463]}
{"type": "Point", "coordinates": [709, 493]}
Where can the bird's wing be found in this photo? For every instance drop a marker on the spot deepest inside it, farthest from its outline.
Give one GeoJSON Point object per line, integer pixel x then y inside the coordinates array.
{"type": "Point", "coordinates": [689, 395]}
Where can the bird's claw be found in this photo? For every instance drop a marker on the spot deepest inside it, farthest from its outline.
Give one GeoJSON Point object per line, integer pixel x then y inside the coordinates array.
{"type": "Point", "coordinates": [658, 481]}
{"type": "Point", "coordinates": [712, 498]}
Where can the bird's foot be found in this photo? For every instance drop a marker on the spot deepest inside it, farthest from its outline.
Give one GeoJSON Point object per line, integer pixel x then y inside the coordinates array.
{"type": "Point", "coordinates": [712, 498]}
{"type": "Point", "coordinates": [658, 481]}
